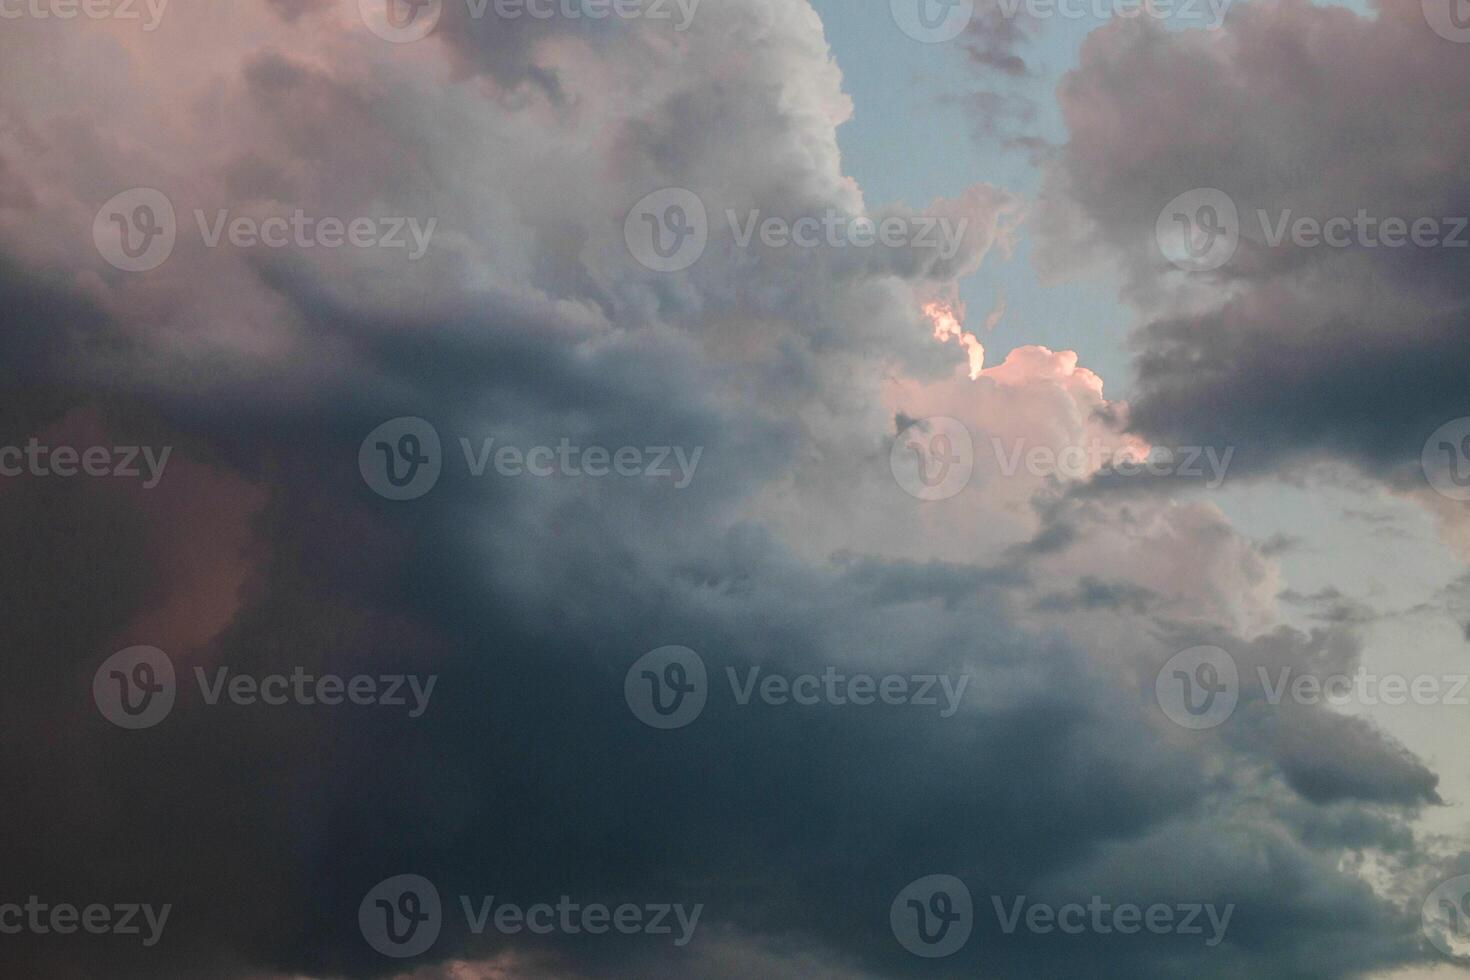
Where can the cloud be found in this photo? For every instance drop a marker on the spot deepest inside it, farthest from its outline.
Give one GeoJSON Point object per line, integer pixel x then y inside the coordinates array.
{"type": "Point", "coordinates": [1288, 353]}
{"type": "Point", "coordinates": [794, 550]}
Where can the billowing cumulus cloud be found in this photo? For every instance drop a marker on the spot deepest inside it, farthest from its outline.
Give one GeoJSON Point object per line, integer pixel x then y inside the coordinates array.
{"type": "Point", "coordinates": [791, 549]}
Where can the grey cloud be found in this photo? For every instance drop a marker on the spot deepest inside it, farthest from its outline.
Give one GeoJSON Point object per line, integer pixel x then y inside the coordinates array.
{"type": "Point", "coordinates": [529, 777]}
{"type": "Point", "coordinates": [1344, 353]}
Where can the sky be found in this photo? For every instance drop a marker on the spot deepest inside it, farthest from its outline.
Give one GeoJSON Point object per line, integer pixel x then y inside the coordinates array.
{"type": "Point", "coordinates": [541, 488]}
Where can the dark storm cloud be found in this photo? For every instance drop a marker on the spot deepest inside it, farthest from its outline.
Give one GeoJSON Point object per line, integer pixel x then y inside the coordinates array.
{"type": "Point", "coordinates": [1257, 377]}
{"type": "Point", "coordinates": [1348, 353]}
{"type": "Point", "coordinates": [529, 777]}
{"type": "Point", "coordinates": [1327, 757]}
